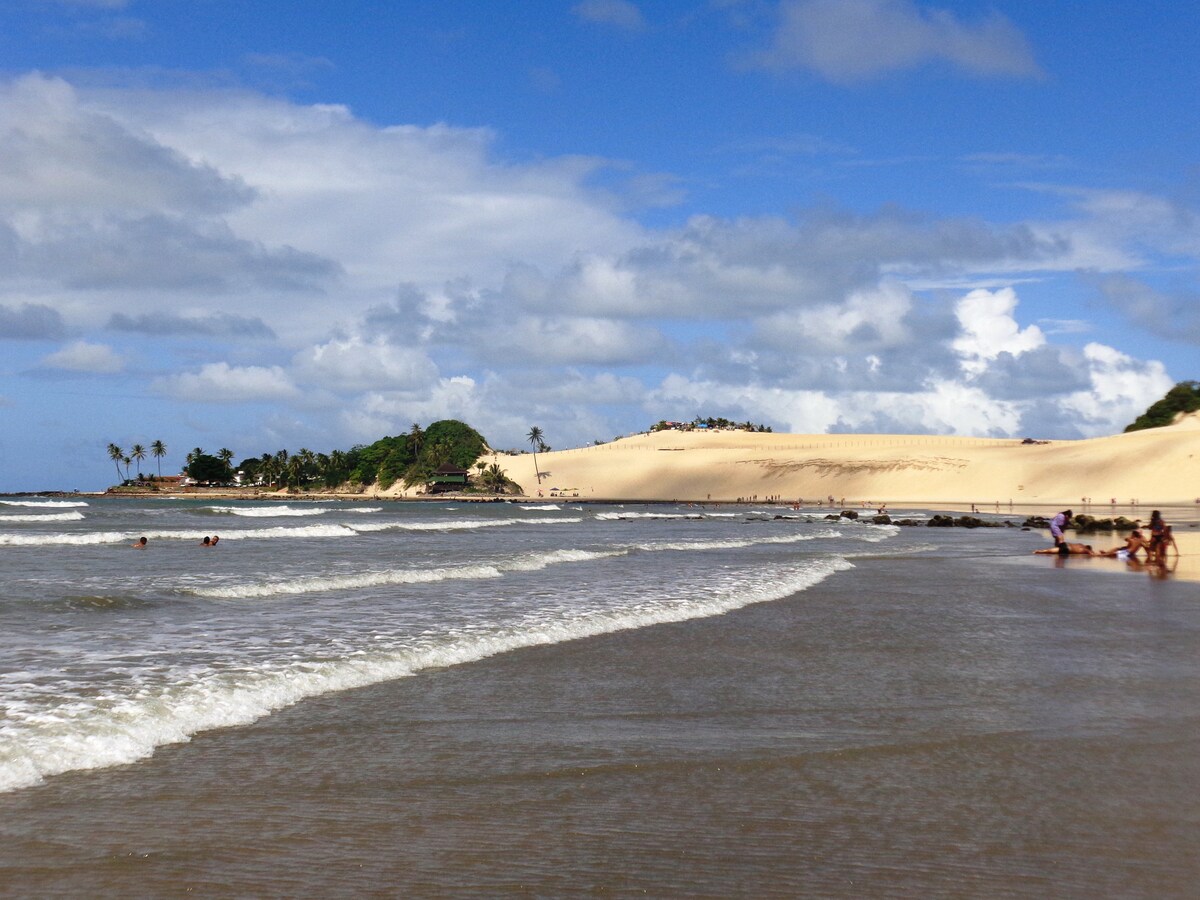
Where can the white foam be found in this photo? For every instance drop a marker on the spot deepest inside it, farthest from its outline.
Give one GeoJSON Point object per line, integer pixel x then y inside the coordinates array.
{"type": "Point", "coordinates": [45, 517]}
{"type": "Point", "coordinates": [543, 506]}
{"type": "Point", "coordinates": [738, 543]}
{"type": "Point", "coordinates": [265, 512]}
{"type": "Point", "coordinates": [610, 516]}
{"type": "Point", "coordinates": [463, 524]}
{"type": "Point", "coordinates": [43, 503]}
{"type": "Point", "coordinates": [116, 537]}
{"type": "Point", "coordinates": [115, 729]}
{"type": "Point", "coordinates": [531, 562]}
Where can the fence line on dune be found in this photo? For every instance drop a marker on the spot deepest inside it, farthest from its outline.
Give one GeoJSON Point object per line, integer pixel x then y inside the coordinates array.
{"type": "Point", "coordinates": [828, 444]}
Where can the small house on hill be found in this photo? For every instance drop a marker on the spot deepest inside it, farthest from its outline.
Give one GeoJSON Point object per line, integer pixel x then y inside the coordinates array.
{"type": "Point", "coordinates": [446, 478]}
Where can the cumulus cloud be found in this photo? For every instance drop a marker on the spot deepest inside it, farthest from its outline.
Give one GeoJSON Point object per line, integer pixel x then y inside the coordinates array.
{"type": "Point", "coordinates": [353, 364]}
{"type": "Point", "coordinates": [407, 273]}
{"type": "Point", "coordinates": [82, 356]}
{"type": "Point", "coordinates": [30, 321]}
{"type": "Point", "coordinates": [223, 383]}
{"type": "Point", "coordinates": [989, 329]}
{"type": "Point", "coordinates": [847, 41]}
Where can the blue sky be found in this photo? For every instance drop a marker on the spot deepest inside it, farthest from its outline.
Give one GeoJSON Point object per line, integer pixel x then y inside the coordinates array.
{"type": "Point", "coordinates": [267, 225]}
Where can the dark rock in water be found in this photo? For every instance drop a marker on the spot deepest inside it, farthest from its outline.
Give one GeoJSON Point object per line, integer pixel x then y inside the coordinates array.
{"type": "Point", "coordinates": [940, 521]}
{"type": "Point", "coordinates": [1036, 522]}
{"type": "Point", "coordinates": [967, 522]}
{"type": "Point", "coordinates": [832, 518]}
{"type": "Point", "coordinates": [908, 523]}
{"type": "Point", "coordinates": [882, 520]}
{"type": "Point", "coordinates": [849, 514]}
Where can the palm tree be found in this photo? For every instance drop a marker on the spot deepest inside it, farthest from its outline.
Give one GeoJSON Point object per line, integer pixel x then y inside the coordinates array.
{"type": "Point", "coordinates": [126, 460]}
{"type": "Point", "coordinates": [535, 438]}
{"type": "Point", "coordinates": [116, 454]}
{"type": "Point", "coordinates": [138, 452]}
{"type": "Point", "coordinates": [225, 455]}
{"type": "Point", "coordinates": [267, 468]}
{"type": "Point", "coordinates": [159, 449]}
{"type": "Point", "coordinates": [417, 438]}
{"type": "Point", "coordinates": [194, 455]}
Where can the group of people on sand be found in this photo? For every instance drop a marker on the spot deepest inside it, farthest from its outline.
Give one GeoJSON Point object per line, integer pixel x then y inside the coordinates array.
{"type": "Point", "coordinates": [140, 543]}
{"type": "Point", "coordinates": [1155, 546]}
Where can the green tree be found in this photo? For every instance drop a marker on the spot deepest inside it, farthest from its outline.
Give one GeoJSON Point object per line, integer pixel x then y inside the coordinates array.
{"type": "Point", "coordinates": [205, 468]}
{"type": "Point", "coordinates": [159, 450]}
{"type": "Point", "coordinates": [138, 452]}
{"type": "Point", "coordinates": [535, 438]}
{"type": "Point", "coordinates": [126, 460]}
{"type": "Point", "coordinates": [116, 454]}
{"type": "Point", "coordinates": [1183, 398]}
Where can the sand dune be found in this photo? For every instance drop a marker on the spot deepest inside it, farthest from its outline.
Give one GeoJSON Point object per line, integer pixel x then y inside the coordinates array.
{"type": "Point", "coordinates": [1157, 466]}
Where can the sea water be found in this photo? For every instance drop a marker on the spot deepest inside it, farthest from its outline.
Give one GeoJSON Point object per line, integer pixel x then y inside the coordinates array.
{"type": "Point", "coordinates": [557, 699]}
{"type": "Point", "coordinates": [109, 651]}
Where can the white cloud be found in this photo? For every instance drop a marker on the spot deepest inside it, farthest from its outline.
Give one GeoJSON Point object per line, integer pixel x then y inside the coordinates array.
{"type": "Point", "coordinates": [989, 328]}
{"type": "Point", "coordinates": [353, 364]}
{"type": "Point", "coordinates": [1121, 389]}
{"type": "Point", "coordinates": [223, 383]}
{"type": "Point", "coordinates": [855, 40]}
{"type": "Point", "coordinates": [867, 319]}
{"type": "Point", "coordinates": [82, 356]}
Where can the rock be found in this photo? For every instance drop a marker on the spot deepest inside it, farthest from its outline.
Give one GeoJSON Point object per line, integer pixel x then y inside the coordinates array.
{"type": "Point", "coordinates": [882, 520]}
{"type": "Point", "coordinates": [940, 521]}
{"type": "Point", "coordinates": [849, 514]}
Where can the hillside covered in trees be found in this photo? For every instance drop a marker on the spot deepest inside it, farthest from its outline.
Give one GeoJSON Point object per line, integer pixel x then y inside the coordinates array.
{"type": "Point", "coordinates": [1183, 398]}
{"type": "Point", "coordinates": [411, 457]}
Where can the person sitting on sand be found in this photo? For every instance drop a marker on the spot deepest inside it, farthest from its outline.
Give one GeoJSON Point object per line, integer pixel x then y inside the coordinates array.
{"type": "Point", "coordinates": [1129, 550]}
{"type": "Point", "coordinates": [139, 544]}
{"type": "Point", "coordinates": [1065, 549]}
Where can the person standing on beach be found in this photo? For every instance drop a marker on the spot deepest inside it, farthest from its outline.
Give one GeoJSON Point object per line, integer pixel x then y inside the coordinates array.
{"type": "Point", "coordinates": [1057, 524]}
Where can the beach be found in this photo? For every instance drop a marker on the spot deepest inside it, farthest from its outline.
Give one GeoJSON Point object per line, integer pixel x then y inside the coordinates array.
{"type": "Point", "coordinates": [567, 696]}
{"type": "Point", "coordinates": [755, 707]}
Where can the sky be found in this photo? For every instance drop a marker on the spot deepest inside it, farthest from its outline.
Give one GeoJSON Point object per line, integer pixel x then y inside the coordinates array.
{"type": "Point", "coordinates": [264, 225]}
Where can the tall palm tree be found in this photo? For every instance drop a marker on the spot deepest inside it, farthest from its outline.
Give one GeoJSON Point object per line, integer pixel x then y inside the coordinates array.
{"type": "Point", "coordinates": [116, 454]}
{"type": "Point", "coordinates": [159, 449]}
{"type": "Point", "coordinates": [194, 455]}
{"type": "Point", "coordinates": [138, 452]}
{"type": "Point", "coordinates": [267, 468]}
{"type": "Point", "coordinates": [225, 455]}
{"type": "Point", "coordinates": [416, 437]}
{"type": "Point", "coordinates": [126, 460]}
{"type": "Point", "coordinates": [535, 438]}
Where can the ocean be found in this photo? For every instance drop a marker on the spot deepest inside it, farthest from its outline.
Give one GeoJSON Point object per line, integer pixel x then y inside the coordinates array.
{"type": "Point", "coordinates": [476, 699]}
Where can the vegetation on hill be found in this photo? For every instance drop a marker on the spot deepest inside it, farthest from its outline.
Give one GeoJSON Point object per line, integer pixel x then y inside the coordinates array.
{"type": "Point", "coordinates": [1183, 398]}
{"type": "Point", "coordinates": [412, 457]}
{"type": "Point", "coordinates": [710, 422]}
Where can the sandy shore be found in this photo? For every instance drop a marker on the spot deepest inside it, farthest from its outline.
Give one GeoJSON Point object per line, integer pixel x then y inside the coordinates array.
{"type": "Point", "coordinates": [1156, 467]}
